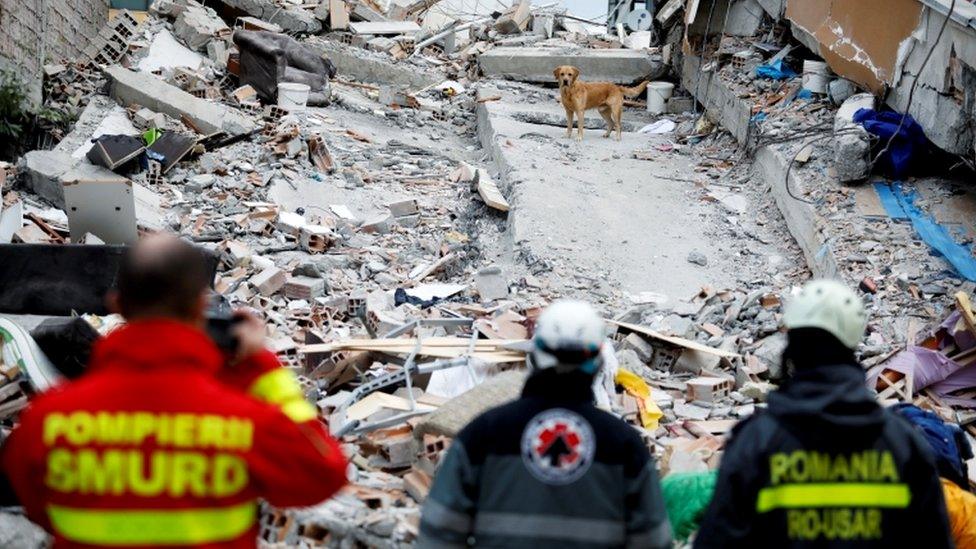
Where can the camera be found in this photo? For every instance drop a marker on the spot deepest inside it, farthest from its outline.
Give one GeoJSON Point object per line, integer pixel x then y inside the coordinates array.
{"type": "Point", "coordinates": [220, 324]}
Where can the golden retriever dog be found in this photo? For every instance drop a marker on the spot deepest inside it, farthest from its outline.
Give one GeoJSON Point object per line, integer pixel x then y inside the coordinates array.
{"type": "Point", "coordinates": [578, 97]}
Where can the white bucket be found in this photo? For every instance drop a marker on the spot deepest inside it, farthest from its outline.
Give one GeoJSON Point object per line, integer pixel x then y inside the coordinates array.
{"type": "Point", "coordinates": [293, 97]}
{"type": "Point", "coordinates": [816, 75]}
{"type": "Point", "coordinates": [638, 40]}
{"type": "Point", "coordinates": [658, 94]}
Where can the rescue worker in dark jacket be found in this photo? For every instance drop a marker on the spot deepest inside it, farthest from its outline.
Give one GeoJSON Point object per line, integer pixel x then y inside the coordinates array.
{"type": "Point", "coordinates": [550, 469]}
{"type": "Point", "coordinates": [825, 465]}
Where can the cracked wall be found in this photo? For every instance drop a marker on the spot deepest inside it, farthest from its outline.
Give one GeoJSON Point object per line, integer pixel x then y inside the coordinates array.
{"type": "Point", "coordinates": [886, 58]}
{"type": "Point", "coordinates": [849, 37]}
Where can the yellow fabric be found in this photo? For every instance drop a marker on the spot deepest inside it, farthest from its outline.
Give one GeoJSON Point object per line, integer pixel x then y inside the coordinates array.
{"type": "Point", "coordinates": [833, 494]}
{"type": "Point", "coordinates": [650, 414]}
{"type": "Point", "coordinates": [961, 506]}
{"type": "Point", "coordinates": [152, 527]}
{"type": "Point", "coordinates": [281, 388]}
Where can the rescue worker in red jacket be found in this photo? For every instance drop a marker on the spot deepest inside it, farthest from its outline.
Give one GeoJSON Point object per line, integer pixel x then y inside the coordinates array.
{"type": "Point", "coordinates": [162, 442]}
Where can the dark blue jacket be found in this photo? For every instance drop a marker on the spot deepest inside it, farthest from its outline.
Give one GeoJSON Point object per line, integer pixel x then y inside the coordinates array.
{"type": "Point", "coordinates": [548, 470]}
{"type": "Point", "coordinates": [825, 466]}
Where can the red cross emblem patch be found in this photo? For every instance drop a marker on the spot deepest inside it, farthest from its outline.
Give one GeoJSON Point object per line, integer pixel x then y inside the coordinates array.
{"type": "Point", "coordinates": [558, 446]}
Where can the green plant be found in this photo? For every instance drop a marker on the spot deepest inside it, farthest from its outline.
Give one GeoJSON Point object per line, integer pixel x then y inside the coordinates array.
{"type": "Point", "coordinates": [13, 102]}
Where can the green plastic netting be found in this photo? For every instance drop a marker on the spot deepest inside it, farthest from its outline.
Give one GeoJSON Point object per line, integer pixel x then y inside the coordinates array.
{"type": "Point", "coordinates": [686, 496]}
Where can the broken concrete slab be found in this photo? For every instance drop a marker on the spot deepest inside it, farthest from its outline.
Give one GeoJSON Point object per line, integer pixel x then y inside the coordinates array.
{"type": "Point", "coordinates": [166, 52]}
{"type": "Point", "coordinates": [98, 109]}
{"type": "Point", "coordinates": [547, 187]}
{"type": "Point", "coordinates": [294, 20]}
{"type": "Point", "coordinates": [491, 284]}
{"type": "Point", "coordinates": [622, 66]}
{"type": "Point", "coordinates": [515, 19]}
{"type": "Point", "coordinates": [802, 219]}
{"type": "Point", "coordinates": [450, 418]}
{"type": "Point", "coordinates": [197, 25]}
{"type": "Point", "coordinates": [129, 87]}
{"type": "Point", "coordinates": [367, 67]}
{"type": "Point", "coordinates": [42, 171]}
{"type": "Point", "coordinates": [852, 143]}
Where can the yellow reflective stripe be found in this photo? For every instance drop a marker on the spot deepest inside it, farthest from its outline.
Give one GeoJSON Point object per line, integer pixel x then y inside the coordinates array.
{"type": "Point", "coordinates": [152, 527]}
{"type": "Point", "coordinates": [281, 388]}
{"type": "Point", "coordinates": [833, 494]}
{"type": "Point", "coordinates": [299, 410]}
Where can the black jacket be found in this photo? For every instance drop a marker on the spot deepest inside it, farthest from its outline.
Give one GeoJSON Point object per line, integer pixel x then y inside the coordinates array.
{"type": "Point", "coordinates": [826, 466]}
{"type": "Point", "coordinates": [548, 470]}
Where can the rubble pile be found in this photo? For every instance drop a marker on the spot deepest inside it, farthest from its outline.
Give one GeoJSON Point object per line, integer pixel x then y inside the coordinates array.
{"type": "Point", "coordinates": [802, 136]}
{"type": "Point", "coordinates": [816, 134]}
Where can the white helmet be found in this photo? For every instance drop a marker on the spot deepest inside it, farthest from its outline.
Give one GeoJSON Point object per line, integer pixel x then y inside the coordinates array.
{"type": "Point", "coordinates": [830, 306]}
{"type": "Point", "coordinates": [569, 336]}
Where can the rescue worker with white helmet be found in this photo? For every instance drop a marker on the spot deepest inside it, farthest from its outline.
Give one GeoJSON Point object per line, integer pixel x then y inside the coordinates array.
{"type": "Point", "coordinates": [550, 469]}
{"type": "Point", "coordinates": [825, 465]}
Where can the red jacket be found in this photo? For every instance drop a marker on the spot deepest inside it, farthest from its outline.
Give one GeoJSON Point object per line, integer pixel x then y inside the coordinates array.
{"type": "Point", "coordinates": [155, 445]}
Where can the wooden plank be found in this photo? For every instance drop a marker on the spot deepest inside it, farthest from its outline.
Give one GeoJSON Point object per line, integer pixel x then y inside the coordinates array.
{"type": "Point", "coordinates": [378, 401]}
{"type": "Point", "coordinates": [489, 191]}
{"type": "Point", "coordinates": [493, 351]}
{"type": "Point", "coordinates": [867, 203]}
{"type": "Point", "coordinates": [409, 344]}
{"type": "Point", "coordinates": [433, 267]}
{"type": "Point", "coordinates": [715, 426]}
{"type": "Point", "coordinates": [966, 310]}
{"type": "Point", "coordinates": [677, 341]}
{"type": "Point", "coordinates": [173, 147]}
{"type": "Point", "coordinates": [385, 28]}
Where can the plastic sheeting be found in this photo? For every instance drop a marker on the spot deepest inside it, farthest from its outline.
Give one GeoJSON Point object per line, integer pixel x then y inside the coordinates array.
{"type": "Point", "coordinates": [930, 369]}
{"type": "Point", "coordinates": [900, 134]}
{"type": "Point", "coordinates": [686, 497]}
{"type": "Point", "coordinates": [900, 204]}
{"type": "Point", "coordinates": [776, 70]}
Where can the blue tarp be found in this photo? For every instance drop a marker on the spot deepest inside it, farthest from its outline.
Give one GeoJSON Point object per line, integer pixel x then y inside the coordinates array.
{"type": "Point", "coordinates": [907, 146]}
{"type": "Point", "coordinates": [900, 204]}
{"type": "Point", "coordinates": [776, 71]}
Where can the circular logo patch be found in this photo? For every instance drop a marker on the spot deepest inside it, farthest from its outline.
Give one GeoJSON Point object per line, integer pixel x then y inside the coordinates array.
{"type": "Point", "coordinates": [558, 446]}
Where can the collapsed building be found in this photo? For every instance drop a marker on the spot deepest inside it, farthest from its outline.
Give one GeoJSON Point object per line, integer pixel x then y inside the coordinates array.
{"type": "Point", "coordinates": [386, 182]}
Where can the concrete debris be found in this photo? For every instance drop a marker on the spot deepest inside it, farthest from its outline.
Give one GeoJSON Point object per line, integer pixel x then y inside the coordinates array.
{"type": "Point", "coordinates": [622, 66]}
{"type": "Point", "coordinates": [291, 19]}
{"type": "Point", "coordinates": [136, 88]}
{"type": "Point", "coordinates": [491, 284]}
{"type": "Point", "coordinates": [17, 531]}
{"type": "Point", "coordinates": [196, 26]}
{"type": "Point", "coordinates": [515, 19]}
